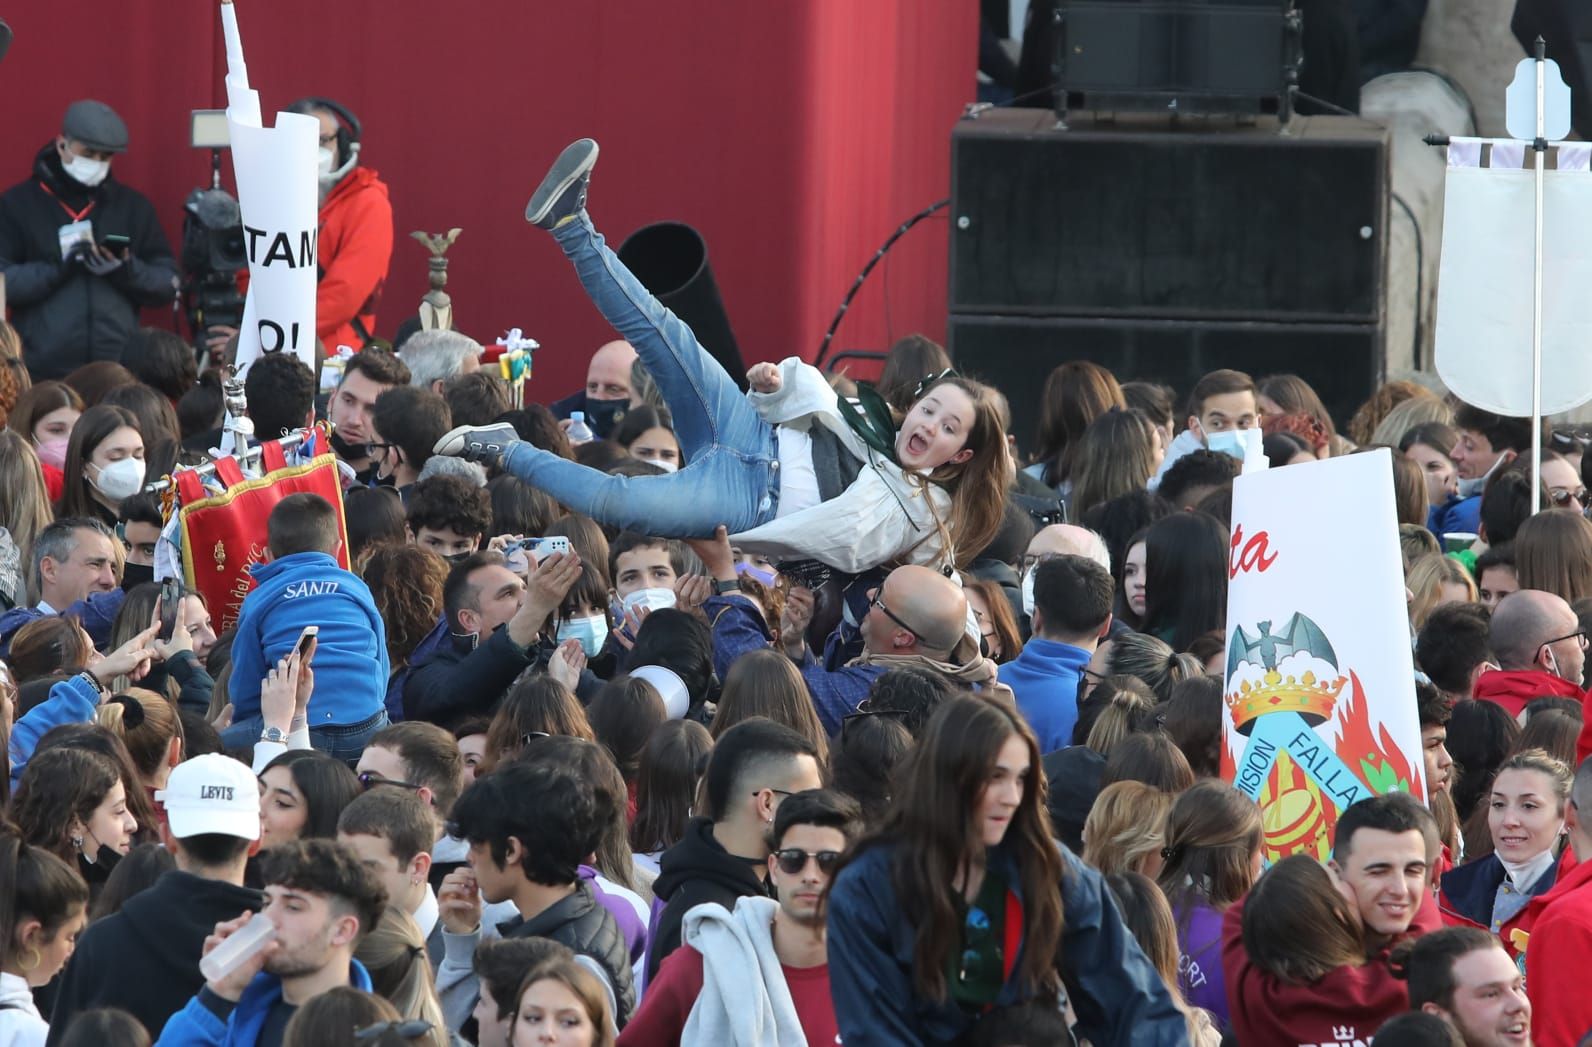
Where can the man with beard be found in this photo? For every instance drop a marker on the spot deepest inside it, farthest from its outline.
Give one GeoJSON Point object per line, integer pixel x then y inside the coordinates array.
{"type": "Point", "coordinates": [718, 986]}
{"type": "Point", "coordinates": [351, 410]}
{"type": "Point", "coordinates": [321, 900]}
{"type": "Point", "coordinates": [81, 253]}
{"type": "Point", "coordinates": [1463, 975]}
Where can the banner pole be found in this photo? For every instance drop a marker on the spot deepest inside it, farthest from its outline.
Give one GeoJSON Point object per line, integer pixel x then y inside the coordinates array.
{"type": "Point", "coordinates": [1540, 148]}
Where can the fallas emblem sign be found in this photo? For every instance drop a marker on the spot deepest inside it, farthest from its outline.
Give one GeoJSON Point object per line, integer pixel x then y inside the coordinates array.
{"type": "Point", "coordinates": [1319, 706]}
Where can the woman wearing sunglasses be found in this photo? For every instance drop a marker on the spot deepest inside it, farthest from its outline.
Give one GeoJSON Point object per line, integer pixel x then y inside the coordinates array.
{"type": "Point", "coordinates": [962, 902]}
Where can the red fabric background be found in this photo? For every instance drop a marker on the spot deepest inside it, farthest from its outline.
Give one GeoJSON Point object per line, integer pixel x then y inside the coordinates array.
{"type": "Point", "coordinates": [795, 136]}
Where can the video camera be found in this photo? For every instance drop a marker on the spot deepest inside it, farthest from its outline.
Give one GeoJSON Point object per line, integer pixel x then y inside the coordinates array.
{"type": "Point", "coordinates": [212, 238]}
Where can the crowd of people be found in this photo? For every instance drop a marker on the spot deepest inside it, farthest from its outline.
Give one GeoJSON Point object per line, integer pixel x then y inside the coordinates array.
{"type": "Point", "coordinates": [778, 717]}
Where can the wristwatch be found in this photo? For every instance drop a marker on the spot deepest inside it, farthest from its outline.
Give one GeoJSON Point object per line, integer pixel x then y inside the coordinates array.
{"type": "Point", "coordinates": [731, 586]}
{"type": "Point", "coordinates": [274, 734]}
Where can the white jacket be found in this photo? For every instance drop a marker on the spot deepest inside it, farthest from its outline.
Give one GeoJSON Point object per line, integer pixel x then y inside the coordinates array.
{"type": "Point", "coordinates": [20, 1023]}
{"type": "Point", "coordinates": [881, 517]}
{"type": "Point", "coordinates": [745, 1001]}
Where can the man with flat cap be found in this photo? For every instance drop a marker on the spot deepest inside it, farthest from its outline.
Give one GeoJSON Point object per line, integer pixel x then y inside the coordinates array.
{"type": "Point", "coordinates": [81, 252]}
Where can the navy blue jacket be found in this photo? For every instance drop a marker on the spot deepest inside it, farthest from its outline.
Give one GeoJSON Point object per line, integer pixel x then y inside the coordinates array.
{"type": "Point", "coordinates": [1117, 994]}
{"type": "Point", "coordinates": [351, 668]}
{"type": "Point", "coordinates": [97, 612]}
{"type": "Point", "coordinates": [1470, 890]}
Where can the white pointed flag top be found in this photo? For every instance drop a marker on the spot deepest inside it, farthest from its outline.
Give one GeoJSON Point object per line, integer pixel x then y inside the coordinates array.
{"type": "Point", "coordinates": [1486, 282]}
{"type": "Point", "coordinates": [279, 195]}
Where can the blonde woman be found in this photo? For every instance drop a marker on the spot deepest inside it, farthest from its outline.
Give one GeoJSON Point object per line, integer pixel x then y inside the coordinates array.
{"type": "Point", "coordinates": [1434, 580]}
{"type": "Point", "coordinates": [24, 512]}
{"type": "Point", "coordinates": [1126, 829]}
{"type": "Point", "coordinates": [395, 955]}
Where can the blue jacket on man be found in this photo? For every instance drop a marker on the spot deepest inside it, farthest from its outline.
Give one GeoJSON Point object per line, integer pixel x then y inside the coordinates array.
{"type": "Point", "coordinates": [97, 613]}
{"type": "Point", "coordinates": [351, 667]}
{"type": "Point", "coordinates": [1044, 677]}
{"type": "Point", "coordinates": [199, 1024]}
{"type": "Point", "coordinates": [1118, 996]}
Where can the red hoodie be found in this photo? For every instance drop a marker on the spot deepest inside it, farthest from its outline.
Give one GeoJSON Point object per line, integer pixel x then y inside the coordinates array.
{"type": "Point", "coordinates": [355, 248]}
{"type": "Point", "coordinates": [1347, 1006]}
{"type": "Point", "coordinates": [1513, 690]}
{"type": "Point", "coordinates": [1556, 955]}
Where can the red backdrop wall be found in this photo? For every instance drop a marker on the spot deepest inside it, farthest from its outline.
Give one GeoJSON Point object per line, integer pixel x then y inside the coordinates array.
{"type": "Point", "coordinates": [795, 136]}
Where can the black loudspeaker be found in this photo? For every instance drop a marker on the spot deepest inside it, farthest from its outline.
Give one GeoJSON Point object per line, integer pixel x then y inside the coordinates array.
{"type": "Point", "coordinates": [1142, 219]}
{"type": "Point", "coordinates": [1163, 251]}
{"type": "Point", "coordinates": [1341, 361]}
{"type": "Point", "coordinates": [1182, 56]}
{"type": "Point", "coordinates": [671, 260]}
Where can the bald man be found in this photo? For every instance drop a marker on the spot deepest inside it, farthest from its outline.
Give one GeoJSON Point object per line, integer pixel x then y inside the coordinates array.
{"type": "Point", "coordinates": [1541, 650]}
{"type": "Point", "coordinates": [608, 389]}
{"type": "Point", "coordinates": [1060, 540]}
{"type": "Point", "coordinates": [917, 617]}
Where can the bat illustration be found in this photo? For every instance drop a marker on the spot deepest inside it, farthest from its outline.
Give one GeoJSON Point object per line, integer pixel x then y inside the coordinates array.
{"type": "Point", "coordinates": [1299, 634]}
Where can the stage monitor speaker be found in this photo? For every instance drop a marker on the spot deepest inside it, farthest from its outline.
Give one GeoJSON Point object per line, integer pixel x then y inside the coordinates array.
{"type": "Point", "coordinates": [671, 260]}
{"type": "Point", "coordinates": [1343, 362]}
{"type": "Point", "coordinates": [1181, 56]}
{"type": "Point", "coordinates": [1148, 218]}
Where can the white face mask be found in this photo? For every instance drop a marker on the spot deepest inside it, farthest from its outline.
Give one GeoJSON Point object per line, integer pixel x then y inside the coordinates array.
{"type": "Point", "coordinates": [1028, 593]}
{"type": "Point", "coordinates": [119, 480]}
{"type": "Point", "coordinates": [666, 466]}
{"type": "Point", "coordinates": [327, 162]}
{"type": "Point", "coordinates": [652, 599]}
{"type": "Point", "coordinates": [86, 170]}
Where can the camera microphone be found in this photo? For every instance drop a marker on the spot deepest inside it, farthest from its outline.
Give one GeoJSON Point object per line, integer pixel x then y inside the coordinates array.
{"type": "Point", "coordinates": [5, 39]}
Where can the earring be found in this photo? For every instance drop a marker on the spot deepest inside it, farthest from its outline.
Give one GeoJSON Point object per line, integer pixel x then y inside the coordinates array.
{"type": "Point", "coordinates": [28, 966]}
{"type": "Point", "coordinates": [77, 844]}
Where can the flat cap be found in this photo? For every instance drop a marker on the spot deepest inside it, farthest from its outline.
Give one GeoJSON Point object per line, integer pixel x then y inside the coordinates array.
{"type": "Point", "coordinates": [96, 125]}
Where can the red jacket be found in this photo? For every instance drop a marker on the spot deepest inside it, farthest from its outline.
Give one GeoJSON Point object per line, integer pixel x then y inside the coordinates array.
{"type": "Point", "coordinates": [1556, 956]}
{"type": "Point", "coordinates": [355, 249]}
{"type": "Point", "coordinates": [1347, 1006]}
{"type": "Point", "coordinates": [1513, 690]}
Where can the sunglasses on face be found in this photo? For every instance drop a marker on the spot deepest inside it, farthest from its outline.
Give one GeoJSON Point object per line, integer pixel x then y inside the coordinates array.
{"type": "Point", "coordinates": [1563, 496]}
{"type": "Point", "coordinates": [370, 779]}
{"type": "Point", "coordinates": [793, 860]}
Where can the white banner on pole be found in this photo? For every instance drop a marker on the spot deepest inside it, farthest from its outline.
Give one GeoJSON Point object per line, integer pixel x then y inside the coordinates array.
{"type": "Point", "coordinates": [1484, 289]}
{"type": "Point", "coordinates": [1319, 695]}
{"type": "Point", "coordinates": [278, 192]}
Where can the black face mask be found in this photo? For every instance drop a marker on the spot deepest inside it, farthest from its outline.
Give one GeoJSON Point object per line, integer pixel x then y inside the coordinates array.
{"type": "Point", "coordinates": [457, 558]}
{"type": "Point", "coordinates": [135, 574]}
{"type": "Point", "coordinates": [603, 415]}
{"type": "Point", "coordinates": [348, 451]}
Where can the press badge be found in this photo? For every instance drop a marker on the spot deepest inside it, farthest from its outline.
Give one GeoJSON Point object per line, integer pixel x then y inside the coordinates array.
{"type": "Point", "coordinates": [80, 232]}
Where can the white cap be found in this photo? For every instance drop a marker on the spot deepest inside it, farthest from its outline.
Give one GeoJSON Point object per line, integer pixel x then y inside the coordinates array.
{"type": "Point", "coordinates": [672, 689]}
{"type": "Point", "coordinates": [212, 794]}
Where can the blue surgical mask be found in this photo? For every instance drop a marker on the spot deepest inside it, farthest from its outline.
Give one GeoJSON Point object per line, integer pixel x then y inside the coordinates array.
{"type": "Point", "coordinates": [591, 632]}
{"type": "Point", "coordinates": [1229, 443]}
{"type": "Point", "coordinates": [766, 577]}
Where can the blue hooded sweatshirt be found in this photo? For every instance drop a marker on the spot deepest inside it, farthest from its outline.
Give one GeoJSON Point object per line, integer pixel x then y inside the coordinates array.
{"type": "Point", "coordinates": [351, 666]}
{"type": "Point", "coordinates": [198, 1026]}
{"type": "Point", "coordinates": [1045, 680]}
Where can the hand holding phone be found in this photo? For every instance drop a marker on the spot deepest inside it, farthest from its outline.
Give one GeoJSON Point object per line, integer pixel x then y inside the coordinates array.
{"type": "Point", "coordinates": [170, 600]}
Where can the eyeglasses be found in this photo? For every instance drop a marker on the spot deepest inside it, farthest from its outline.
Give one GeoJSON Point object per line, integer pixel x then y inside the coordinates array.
{"type": "Point", "coordinates": [1579, 636]}
{"type": "Point", "coordinates": [528, 736]}
{"type": "Point", "coordinates": [1563, 496]}
{"type": "Point", "coordinates": [376, 448]}
{"type": "Point", "coordinates": [793, 860]}
{"type": "Point", "coordinates": [1032, 560]}
{"type": "Point", "coordinates": [771, 789]}
{"type": "Point", "coordinates": [370, 779]}
{"type": "Point", "coordinates": [878, 601]}
{"type": "Point", "coordinates": [407, 1030]}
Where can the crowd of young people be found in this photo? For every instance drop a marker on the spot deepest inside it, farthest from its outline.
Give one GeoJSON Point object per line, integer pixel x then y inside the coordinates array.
{"type": "Point", "coordinates": [810, 726]}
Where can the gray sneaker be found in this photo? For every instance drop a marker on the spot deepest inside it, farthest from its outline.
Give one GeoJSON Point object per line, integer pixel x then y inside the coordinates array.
{"type": "Point", "coordinates": [562, 193]}
{"type": "Point", "coordinates": [484, 444]}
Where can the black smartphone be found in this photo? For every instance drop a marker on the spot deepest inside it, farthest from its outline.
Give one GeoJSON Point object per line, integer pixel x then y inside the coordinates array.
{"type": "Point", "coordinates": [115, 242]}
{"type": "Point", "coordinates": [170, 598]}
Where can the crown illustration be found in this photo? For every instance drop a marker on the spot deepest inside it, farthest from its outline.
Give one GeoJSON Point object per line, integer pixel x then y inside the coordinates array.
{"type": "Point", "coordinates": [1311, 698]}
{"type": "Point", "coordinates": [1343, 1033]}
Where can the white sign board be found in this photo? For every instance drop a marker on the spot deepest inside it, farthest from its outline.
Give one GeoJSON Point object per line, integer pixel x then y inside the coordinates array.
{"type": "Point", "coordinates": [1319, 695]}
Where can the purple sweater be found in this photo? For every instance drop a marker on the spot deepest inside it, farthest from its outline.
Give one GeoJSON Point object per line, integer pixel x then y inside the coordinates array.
{"type": "Point", "coordinates": [1199, 961]}
{"type": "Point", "coordinates": [631, 928]}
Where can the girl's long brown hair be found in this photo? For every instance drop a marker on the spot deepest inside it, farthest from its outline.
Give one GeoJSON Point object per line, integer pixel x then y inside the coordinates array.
{"type": "Point", "coordinates": [978, 485]}
{"type": "Point", "coordinates": [931, 824]}
{"type": "Point", "coordinates": [1212, 834]}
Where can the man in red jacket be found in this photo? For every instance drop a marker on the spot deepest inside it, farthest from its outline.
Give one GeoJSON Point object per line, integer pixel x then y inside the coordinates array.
{"type": "Point", "coordinates": [1561, 934]}
{"type": "Point", "coordinates": [356, 231]}
{"type": "Point", "coordinates": [719, 983]}
{"type": "Point", "coordinates": [1463, 975]}
{"type": "Point", "coordinates": [1541, 649]}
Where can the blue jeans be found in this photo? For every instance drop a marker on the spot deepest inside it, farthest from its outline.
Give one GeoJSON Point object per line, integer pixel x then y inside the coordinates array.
{"type": "Point", "coordinates": [342, 741]}
{"type": "Point", "coordinates": [732, 471]}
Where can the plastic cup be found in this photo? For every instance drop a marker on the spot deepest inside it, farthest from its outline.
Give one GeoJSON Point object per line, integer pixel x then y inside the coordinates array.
{"type": "Point", "coordinates": [238, 949]}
